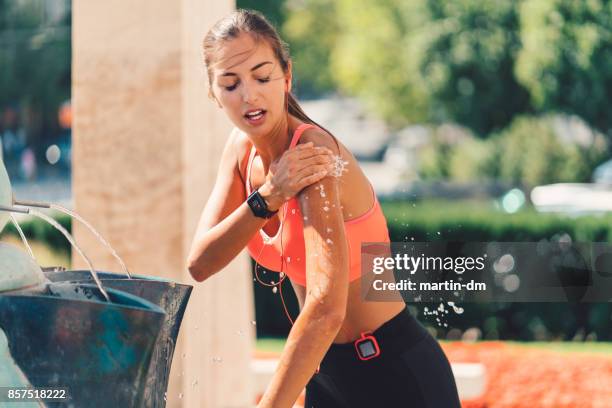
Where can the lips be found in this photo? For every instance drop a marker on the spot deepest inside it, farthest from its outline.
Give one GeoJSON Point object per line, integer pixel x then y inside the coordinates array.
{"type": "Point", "coordinates": [255, 117]}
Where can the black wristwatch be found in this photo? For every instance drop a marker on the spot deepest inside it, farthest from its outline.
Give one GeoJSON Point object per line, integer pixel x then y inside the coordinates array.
{"type": "Point", "coordinates": [258, 205]}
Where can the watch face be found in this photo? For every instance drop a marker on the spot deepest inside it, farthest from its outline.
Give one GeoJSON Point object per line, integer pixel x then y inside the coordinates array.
{"type": "Point", "coordinates": [258, 205]}
{"type": "Point", "coordinates": [366, 348]}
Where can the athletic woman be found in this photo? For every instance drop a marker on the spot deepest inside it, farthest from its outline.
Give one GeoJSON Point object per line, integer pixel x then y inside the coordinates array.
{"type": "Point", "coordinates": [297, 199]}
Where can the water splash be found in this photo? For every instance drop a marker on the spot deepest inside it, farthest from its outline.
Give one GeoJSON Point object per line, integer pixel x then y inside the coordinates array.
{"type": "Point", "coordinates": [456, 309]}
{"type": "Point", "coordinates": [22, 235]}
{"type": "Point", "coordinates": [321, 189]}
{"type": "Point", "coordinates": [339, 166]}
{"type": "Point", "coordinates": [74, 244]}
{"type": "Point", "coordinates": [96, 233]}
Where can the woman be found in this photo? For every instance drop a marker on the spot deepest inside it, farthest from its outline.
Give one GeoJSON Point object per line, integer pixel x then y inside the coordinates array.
{"type": "Point", "coordinates": [297, 199]}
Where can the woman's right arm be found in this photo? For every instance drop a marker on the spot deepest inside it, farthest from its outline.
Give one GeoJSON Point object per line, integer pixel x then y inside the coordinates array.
{"type": "Point", "coordinates": [227, 222]}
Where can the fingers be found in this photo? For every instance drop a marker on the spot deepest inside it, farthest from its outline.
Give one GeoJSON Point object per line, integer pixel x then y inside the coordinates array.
{"type": "Point", "coordinates": [307, 150]}
{"type": "Point", "coordinates": [316, 160]}
{"type": "Point", "coordinates": [313, 169]}
{"type": "Point", "coordinates": [311, 179]}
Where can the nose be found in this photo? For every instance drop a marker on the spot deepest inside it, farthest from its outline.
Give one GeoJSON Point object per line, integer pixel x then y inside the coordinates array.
{"type": "Point", "coordinates": [249, 93]}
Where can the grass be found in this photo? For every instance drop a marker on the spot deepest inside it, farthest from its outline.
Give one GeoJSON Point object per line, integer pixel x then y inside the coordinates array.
{"type": "Point", "coordinates": [270, 344]}
{"type": "Point", "coordinates": [45, 256]}
{"type": "Point", "coordinates": [276, 344]}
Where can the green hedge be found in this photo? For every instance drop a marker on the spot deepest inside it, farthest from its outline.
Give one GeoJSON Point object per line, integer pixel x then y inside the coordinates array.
{"type": "Point", "coordinates": [38, 230]}
{"type": "Point", "coordinates": [437, 220]}
{"type": "Point", "coordinates": [462, 220]}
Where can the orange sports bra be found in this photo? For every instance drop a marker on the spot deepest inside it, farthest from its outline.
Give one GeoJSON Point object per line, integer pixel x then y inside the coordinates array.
{"type": "Point", "coordinates": [368, 227]}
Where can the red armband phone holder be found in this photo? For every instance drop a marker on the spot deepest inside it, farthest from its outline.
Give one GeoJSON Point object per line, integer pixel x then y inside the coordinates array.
{"type": "Point", "coordinates": [367, 346]}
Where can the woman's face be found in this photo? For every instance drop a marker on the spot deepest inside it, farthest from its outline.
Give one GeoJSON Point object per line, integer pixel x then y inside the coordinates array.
{"type": "Point", "coordinates": [247, 78]}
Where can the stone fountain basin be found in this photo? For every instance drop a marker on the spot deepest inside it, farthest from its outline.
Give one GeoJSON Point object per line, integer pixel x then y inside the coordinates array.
{"type": "Point", "coordinates": [69, 336]}
{"type": "Point", "coordinates": [169, 295]}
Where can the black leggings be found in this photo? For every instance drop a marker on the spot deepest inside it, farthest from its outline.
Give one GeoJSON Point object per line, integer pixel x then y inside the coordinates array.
{"type": "Point", "coordinates": [411, 371]}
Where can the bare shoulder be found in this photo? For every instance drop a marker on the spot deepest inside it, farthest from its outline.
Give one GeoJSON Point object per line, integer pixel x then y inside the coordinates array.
{"type": "Point", "coordinates": [319, 137]}
{"type": "Point", "coordinates": [240, 142]}
{"type": "Point", "coordinates": [241, 145]}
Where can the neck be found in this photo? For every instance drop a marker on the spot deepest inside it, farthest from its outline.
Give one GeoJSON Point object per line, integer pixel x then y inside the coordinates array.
{"type": "Point", "coordinates": [272, 145]}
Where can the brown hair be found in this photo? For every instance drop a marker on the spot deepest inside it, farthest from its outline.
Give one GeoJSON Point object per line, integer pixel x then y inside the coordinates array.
{"type": "Point", "coordinates": [255, 24]}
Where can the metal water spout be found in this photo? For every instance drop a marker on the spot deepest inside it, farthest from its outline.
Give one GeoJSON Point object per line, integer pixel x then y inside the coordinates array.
{"type": "Point", "coordinates": [6, 195]}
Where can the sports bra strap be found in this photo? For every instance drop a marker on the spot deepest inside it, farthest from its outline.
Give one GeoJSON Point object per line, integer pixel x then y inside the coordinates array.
{"type": "Point", "coordinates": [298, 133]}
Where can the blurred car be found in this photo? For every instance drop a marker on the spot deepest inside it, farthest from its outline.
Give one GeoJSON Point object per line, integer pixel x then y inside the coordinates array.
{"type": "Point", "coordinates": [603, 173]}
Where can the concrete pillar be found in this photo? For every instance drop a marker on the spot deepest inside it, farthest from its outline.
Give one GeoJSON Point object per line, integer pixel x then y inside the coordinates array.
{"type": "Point", "coordinates": [145, 154]}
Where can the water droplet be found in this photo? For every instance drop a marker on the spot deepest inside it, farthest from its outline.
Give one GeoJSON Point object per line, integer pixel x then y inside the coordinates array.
{"type": "Point", "coordinates": [194, 383]}
{"type": "Point", "coordinates": [293, 211]}
{"type": "Point", "coordinates": [282, 274]}
{"type": "Point", "coordinates": [329, 241]}
{"type": "Point", "coordinates": [216, 360]}
{"type": "Point", "coordinates": [239, 332]}
{"type": "Point", "coordinates": [181, 395]}
{"type": "Point", "coordinates": [305, 218]}
{"type": "Point", "coordinates": [165, 396]}
{"type": "Point", "coordinates": [329, 230]}
{"type": "Point", "coordinates": [288, 260]}
{"type": "Point", "coordinates": [438, 232]}
{"type": "Point", "coordinates": [184, 355]}
{"type": "Point", "coordinates": [274, 289]}
{"type": "Point", "coordinates": [253, 322]}
{"type": "Point", "coordinates": [326, 208]}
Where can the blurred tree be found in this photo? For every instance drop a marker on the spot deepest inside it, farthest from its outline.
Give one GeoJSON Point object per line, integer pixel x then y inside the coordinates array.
{"type": "Point", "coordinates": [566, 58]}
{"type": "Point", "coordinates": [533, 153]}
{"type": "Point", "coordinates": [311, 29]}
{"type": "Point", "coordinates": [427, 60]}
{"type": "Point", "coordinates": [34, 65]}
{"type": "Point", "coordinates": [274, 10]}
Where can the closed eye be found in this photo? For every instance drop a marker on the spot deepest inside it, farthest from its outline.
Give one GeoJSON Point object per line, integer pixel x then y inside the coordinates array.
{"type": "Point", "coordinates": [261, 80]}
{"type": "Point", "coordinates": [232, 87]}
